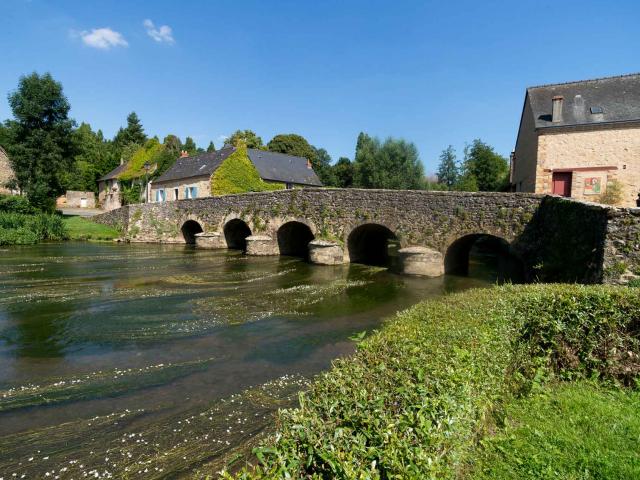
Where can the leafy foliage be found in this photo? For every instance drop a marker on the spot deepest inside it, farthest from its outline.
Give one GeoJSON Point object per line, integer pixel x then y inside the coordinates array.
{"type": "Point", "coordinates": [448, 168]}
{"type": "Point", "coordinates": [343, 173]}
{"type": "Point", "coordinates": [148, 154]}
{"type": "Point", "coordinates": [238, 175]}
{"type": "Point", "coordinates": [613, 193]}
{"type": "Point", "coordinates": [211, 147]}
{"type": "Point", "coordinates": [21, 229]}
{"type": "Point", "coordinates": [16, 204]}
{"type": "Point", "coordinates": [190, 146]}
{"type": "Point", "coordinates": [410, 402]}
{"type": "Point", "coordinates": [297, 145]}
{"type": "Point", "coordinates": [39, 138]}
{"type": "Point", "coordinates": [246, 138]}
{"type": "Point", "coordinates": [483, 168]}
{"type": "Point", "coordinates": [133, 133]}
{"type": "Point", "coordinates": [393, 164]}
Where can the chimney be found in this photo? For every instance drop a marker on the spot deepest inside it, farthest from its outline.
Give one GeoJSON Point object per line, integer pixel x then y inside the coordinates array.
{"type": "Point", "coordinates": [308, 164]}
{"type": "Point", "coordinates": [556, 110]}
{"type": "Point", "coordinates": [184, 153]}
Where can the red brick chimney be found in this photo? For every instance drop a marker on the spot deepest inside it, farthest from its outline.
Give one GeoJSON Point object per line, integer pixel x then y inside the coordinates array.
{"type": "Point", "coordinates": [184, 153]}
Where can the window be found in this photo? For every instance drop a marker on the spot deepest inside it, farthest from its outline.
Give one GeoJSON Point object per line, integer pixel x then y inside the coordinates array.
{"type": "Point", "coordinates": [186, 192]}
{"type": "Point", "coordinates": [289, 186]}
{"type": "Point", "coordinates": [175, 193]}
{"type": "Point", "coordinates": [194, 192]}
{"type": "Point", "coordinates": [160, 195]}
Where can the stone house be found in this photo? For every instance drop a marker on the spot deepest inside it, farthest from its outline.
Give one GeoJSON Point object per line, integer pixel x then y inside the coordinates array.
{"type": "Point", "coordinates": [109, 189]}
{"type": "Point", "coordinates": [76, 199]}
{"type": "Point", "coordinates": [577, 138]}
{"type": "Point", "coordinates": [190, 177]}
{"type": "Point", "coordinates": [6, 174]}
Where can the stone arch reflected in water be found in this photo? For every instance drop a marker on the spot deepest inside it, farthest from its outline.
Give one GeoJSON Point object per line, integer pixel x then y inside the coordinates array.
{"type": "Point", "coordinates": [372, 244]}
{"type": "Point", "coordinates": [483, 255]}
{"type": "Point", "coordinates": [236, 232]}
{"type": "Point", "coordinates": [189, 230]}
{"type": "Point", "coordinates": [294, 238]}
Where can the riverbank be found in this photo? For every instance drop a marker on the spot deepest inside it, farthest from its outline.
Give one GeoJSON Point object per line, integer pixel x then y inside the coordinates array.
{"type": "Point", "coordinates": [430, 393]}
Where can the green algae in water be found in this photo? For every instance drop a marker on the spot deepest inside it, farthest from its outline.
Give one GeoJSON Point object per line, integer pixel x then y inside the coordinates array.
{"type": "Point", "coordinates": [119, 445]}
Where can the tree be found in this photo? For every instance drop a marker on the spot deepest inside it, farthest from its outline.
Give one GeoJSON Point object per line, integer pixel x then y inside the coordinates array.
{"type": "Point", "coordinates": [172, 145]}
{"type": "Point", "coordinates": [40, 145]}
{"type": "Point", "coordinates": [133, 133]}
{"type": "Point", "coordinates": [489, 169]}
{"type": "Point", "coordinates": [448, 172]}
{"type": "Point", "coordinates": [246, 138]}
{"type": "Point", "coordinates": [211, 147]}
{"type": "Point", "coordinates": [190, 146]}
{"type": "Point", "coordinates": [393, 164]}
{"type": "Point", "coordinates": [92, 159]}
{"type": "Point", "coordinates": [343, 173]}
{"type": "Point", "coordinates": [298, 146]}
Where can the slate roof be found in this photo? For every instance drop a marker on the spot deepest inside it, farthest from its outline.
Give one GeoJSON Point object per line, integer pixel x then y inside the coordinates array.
{"type": "Point", "coordinates": [113, 173]}
{"type": "Point", "coordinates": [270, 165]}
{"type": "Point", "coordinates": [283, 168]}
{"type": "Point", "coordinates": [618, 97]}
{"type": "Point", "coordinates": [196, 166]}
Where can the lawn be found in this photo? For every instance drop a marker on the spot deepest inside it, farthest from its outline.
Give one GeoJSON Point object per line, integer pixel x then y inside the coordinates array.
{"type": "Point", "coordinates": [576, 430]}
{"type": "Point", "coordinates": [79, 228]}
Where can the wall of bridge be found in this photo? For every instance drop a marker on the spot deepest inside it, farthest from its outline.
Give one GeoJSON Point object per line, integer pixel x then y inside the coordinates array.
{"type": "Point", "coordinates": [556, 239]}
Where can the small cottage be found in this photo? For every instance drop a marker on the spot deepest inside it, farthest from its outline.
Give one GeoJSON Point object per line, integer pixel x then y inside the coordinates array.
{"type": "Point", "coordinates": [195, 177]}
{"type": "Point", "coordinates": [109, 189]}
{"type": "Point", "coordinates": [579, 139]}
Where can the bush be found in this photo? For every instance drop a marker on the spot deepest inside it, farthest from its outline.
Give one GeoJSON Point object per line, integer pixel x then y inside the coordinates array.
{"type": "Point", "coordinates": [238, 175]}
{"type": "Point", "coordinates": [413, 399]}
{"type": "Point", "coordinates": [21, 229]}
{"type": "Point", "coordinates": [16, 204]}
{"type": "Point", "coordinates": [613, 194]}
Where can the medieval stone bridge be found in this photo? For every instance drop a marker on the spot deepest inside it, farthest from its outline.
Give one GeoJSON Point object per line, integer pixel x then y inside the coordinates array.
{"type": "Point", "coordinates": [428, 233]}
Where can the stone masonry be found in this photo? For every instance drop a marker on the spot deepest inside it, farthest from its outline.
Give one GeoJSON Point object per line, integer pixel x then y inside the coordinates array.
{"type": "Point", "coordinates": [530, 223]}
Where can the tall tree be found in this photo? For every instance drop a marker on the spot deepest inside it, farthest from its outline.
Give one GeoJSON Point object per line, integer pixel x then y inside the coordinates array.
{"type": "Point", "coordinates": [92, 159]}
{"type": "Point", "coordinates": [211, 147]}
{"type": "Point", "coordinates": [393, 164]}
{"type": "Point", "coordinates": [172, 145]}
{"type": "Point", "coordinates": [133, 133]}
{"type": "Point", "coordinates": [321, 164]}
{"type": "Point", "coordinates": [247, 138]}
{"type": "Point", "coordinates": [489, 169]}
{"type": "Point", "coordinates": [448, 172]}
{"type": "Point", "coordinates": [190, 146]}
{"type": "Point", "coordinates": [40, 146]}
{"type": "Point", "coordinates": [343, 173]}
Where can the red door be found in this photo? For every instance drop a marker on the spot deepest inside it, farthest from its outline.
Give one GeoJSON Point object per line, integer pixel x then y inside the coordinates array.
{"type": "Point", "coordinates": [562, 183]}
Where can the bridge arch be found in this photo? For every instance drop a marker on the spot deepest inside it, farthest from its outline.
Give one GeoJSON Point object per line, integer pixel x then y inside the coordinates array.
{"type": "Point", "coordinates": [369, 244]}
{"type": "Point", "coordinates": [293, 239]}
{"type": "Point", "coordinates": [483, 251]}
{"type": "Point", "coordinates": [189, 230]}
{"type": "Point", "coordinates": [236, 232]}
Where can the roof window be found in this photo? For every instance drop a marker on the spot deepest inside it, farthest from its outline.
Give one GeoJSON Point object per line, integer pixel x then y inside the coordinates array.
{"type": "Point", "coordinates": [595, 110]}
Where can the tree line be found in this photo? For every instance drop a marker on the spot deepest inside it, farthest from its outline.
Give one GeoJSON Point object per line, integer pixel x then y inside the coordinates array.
{"type": "Point", "coordinates": [50, 153]}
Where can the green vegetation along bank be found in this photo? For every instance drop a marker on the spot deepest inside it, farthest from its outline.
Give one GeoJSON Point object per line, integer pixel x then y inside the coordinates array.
{"type": "Point", "coordinates": [450, 389]}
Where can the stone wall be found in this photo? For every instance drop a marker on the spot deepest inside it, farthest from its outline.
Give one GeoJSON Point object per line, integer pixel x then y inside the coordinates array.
{"type": "Point", "coordinates": [556, 239]}
{"type": "Point", "coordinates": [6, 173]}
{"type": "Point", "coordinates": [73, 199]}
{"type": "Point", "coordinates": [615, 147]}
{"type": "Point", "coordinates": [621, 261]}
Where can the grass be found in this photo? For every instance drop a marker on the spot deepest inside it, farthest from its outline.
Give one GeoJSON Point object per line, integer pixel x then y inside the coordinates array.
{"type": "Point", "coordinates": [80, 228]}
{"type": "Point", "coordinates": [417, 397]}
{"type": "Point", "coordinates": [573, 430]}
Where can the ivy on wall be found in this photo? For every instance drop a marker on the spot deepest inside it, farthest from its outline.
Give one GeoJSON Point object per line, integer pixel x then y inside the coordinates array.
{"type": "Point", "coordinates": [149, 153]}
{"type": "Point", "coordinates": [238, 175]}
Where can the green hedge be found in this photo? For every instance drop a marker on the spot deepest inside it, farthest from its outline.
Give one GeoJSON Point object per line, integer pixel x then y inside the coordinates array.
{"type": "Point", "coordinates": [16, 204]}
{"type": "Point", "coordinates": [21, 229]}
{"type": "Point", "coordinates": [238, 175]}
{"type": "Point", "coordinates": [414, 398]}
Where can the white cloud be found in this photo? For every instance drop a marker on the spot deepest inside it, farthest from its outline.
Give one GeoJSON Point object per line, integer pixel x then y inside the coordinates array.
{"type": "Point", "coordinates": [162, 34]}
{"type": "Point", "coordinates": [103, 38]}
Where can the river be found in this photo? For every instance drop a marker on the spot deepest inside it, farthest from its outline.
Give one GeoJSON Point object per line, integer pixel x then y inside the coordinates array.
{"type": "Point", "coordinates": [154, 361]}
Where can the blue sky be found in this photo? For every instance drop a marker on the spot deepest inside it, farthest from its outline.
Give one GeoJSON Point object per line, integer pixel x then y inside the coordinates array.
{"type": "Point", "coordinates": [435, 73]}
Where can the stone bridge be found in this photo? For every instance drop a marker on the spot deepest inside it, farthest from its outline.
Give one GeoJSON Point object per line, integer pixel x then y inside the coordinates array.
{"type": "Point", "coordinates": [427, 233]}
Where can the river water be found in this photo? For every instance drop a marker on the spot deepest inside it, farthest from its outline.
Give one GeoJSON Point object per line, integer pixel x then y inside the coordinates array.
{"type": "Point", "coordinates": [154, 361]}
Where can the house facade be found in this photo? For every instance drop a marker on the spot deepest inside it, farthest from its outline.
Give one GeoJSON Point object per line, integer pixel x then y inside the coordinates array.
{"type": "Point", "coordinates": [6, 174]}
{"type": "Point", "coordinates": [190, 177]}
{"type": "Point", "coordinates": [109, 189]}
{"type": "Point", "coordinates": [577, 139]}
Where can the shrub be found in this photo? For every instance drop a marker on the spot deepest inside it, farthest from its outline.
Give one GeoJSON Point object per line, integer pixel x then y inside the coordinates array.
{"type": "Point", "coordinates": [238, 175]}
{"type": "Point", "coordinates": [16, 204]}
{"type": "Point", "coordinates": [613, 194]}
{"type": "Point", "coordinates": [411, 402]}
{"type": "Point", "coordinates": [20, 229]}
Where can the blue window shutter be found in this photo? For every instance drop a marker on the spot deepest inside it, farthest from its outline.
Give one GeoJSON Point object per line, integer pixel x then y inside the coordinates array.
{"type": "Point", "coordinates": [194, 192]}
